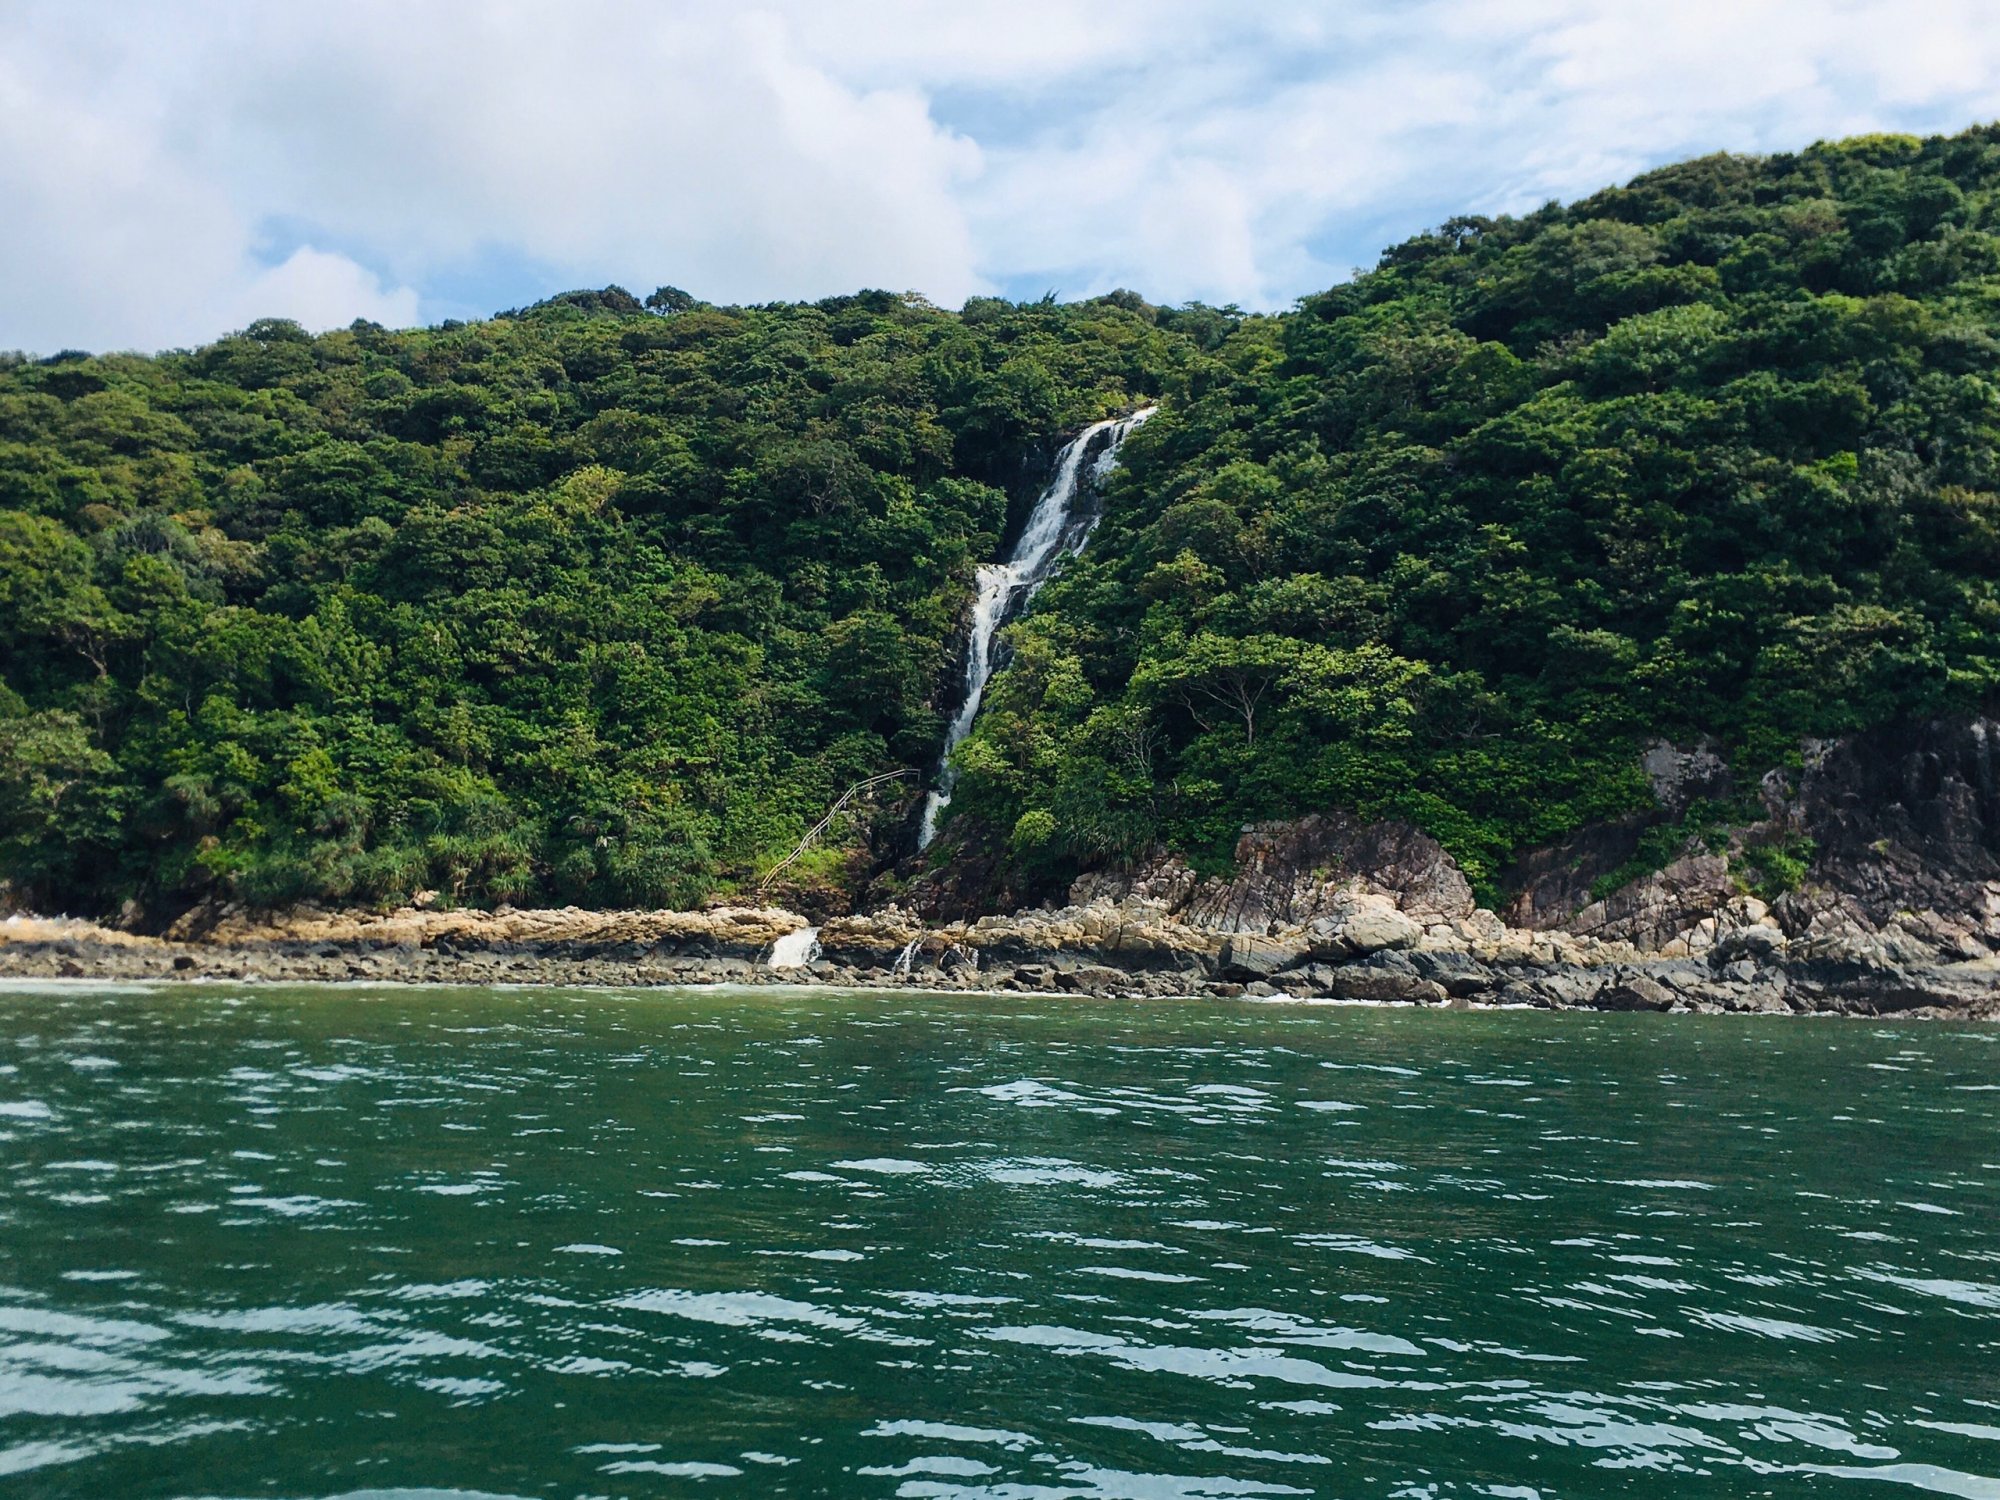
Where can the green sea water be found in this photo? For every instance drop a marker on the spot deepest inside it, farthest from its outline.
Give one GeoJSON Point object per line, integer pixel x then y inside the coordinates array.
{"type": "Point", "coordinates": [349, 1241]}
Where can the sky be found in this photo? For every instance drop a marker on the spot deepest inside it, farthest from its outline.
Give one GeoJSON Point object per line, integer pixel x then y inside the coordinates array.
{"type": "Point", "coordinates": [169, 172]}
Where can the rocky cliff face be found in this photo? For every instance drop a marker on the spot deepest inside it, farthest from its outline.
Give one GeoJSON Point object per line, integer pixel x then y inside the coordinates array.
{"type": "Point", "coordinates": [1901, 838]}
{"type": "Point", "coordinates": [1886, 847]}
{"type": "Point", "coordinates": [1550, 886]}
{"type": "Point", "coordinates": [1905, 822]}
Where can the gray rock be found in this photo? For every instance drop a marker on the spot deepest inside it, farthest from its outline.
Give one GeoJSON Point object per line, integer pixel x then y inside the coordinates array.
{"type": "Point", "coordinates": [1362, 982]}
{"type": "Point", "coordinates": [1032, 977]}
{"type": "Point", "coordinates": [1095, 979]}
{"type": "Point", "coordinates": [1310, 979]}
{"type": "Point", "coordinates": [1390, 961]}
{"type": "Point", "coordinates": [1680, 776]}
{"type": "Point", "coordinates": [1760, 940]}
{"type": "Point", "coordinates": [1756, 999]}
{"type": "Point", "coordinates": [1687, 976]}
{"type": "Point", "coordinates": [1656, 908]}
{"type": "Point", "coordinates": [1570, 989]}
{"type": "Point", "coordinates": [1460, 973]}
{"type": "Point", "coordinates": [1523, 992]}
{"type": "Point", "coordinates": [1245, 957]}
{"type": "Point", "coordinates": [1634, 992]}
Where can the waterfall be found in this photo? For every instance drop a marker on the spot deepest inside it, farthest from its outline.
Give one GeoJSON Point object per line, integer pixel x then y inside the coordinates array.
{"type": "Point", "coordinates": [907, 959]}
{"type": "Point", "coordinates": [1053, 532]}
{"type": "Point", "coordinates": [794, 950]}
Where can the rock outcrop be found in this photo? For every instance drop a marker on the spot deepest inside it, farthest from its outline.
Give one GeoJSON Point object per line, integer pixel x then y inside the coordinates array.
{"type": "Point", "coordinates": [1903, 834]}
{"type": "Point", "coordinates": [1905, 822]}
{"type": "Point", "coordinates": [1290, 873]}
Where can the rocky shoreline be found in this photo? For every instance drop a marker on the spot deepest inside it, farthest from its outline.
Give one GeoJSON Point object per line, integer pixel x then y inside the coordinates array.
{"type": "Point", "coordinates": [1897, 914]}
{"type": "Point", "coordinates": [1369, 950]}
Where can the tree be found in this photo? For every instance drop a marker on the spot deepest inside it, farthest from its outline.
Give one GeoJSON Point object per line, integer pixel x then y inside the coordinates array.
{"type": "Point", "coordinates": [54, 811]}
{"type": "Point", "coordinates": [1212, 671]}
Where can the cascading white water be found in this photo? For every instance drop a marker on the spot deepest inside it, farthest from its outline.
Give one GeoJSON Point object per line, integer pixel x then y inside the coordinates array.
{"type": "Point", "coordinates": [794, 950]}
{"type": "Point", "coordinates": [1053, 532]}
{"type": "Point", "coordinates": [907, 959]}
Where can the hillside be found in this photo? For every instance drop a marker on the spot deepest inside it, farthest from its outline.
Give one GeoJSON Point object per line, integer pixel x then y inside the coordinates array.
{"type": "Point", "coordinates": [1709, 455]}
{"type": "Point", "coordinates": [604, 603]}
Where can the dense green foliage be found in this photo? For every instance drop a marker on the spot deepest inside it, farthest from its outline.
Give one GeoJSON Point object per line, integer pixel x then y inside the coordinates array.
{"type": "Point", "coordinates": [602, 602]}
{"type": "Point", "coordinates": [1710, 454]}
{"type": "Point", "coordinates": [586, 603]}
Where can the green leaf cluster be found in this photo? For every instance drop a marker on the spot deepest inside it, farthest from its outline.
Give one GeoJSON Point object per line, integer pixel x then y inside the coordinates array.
{"type": "Point", "coordinates": [605, 600]}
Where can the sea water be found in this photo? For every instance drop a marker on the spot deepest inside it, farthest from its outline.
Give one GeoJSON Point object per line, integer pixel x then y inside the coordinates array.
{"type": "Point", "coordinates": [338, 1241]}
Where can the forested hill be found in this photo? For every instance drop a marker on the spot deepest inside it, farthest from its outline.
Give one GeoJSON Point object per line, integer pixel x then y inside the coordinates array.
{"type": "Point", "coordinates": [604, 603]}
{"type": "Point", "coordinates": [593, 602]}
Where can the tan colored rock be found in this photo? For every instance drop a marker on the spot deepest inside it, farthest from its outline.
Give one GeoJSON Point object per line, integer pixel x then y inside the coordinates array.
{"type": "Point", "coordinates": [21, 927]}
{"type": "Point", "coordinates": [1288, 873]}
{"type": "Point", "coordinates": [1358, 926]}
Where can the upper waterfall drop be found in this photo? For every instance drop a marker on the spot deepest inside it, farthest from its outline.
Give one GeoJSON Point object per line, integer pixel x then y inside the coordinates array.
{"type": "Point", "coordinates": [1053, 532]}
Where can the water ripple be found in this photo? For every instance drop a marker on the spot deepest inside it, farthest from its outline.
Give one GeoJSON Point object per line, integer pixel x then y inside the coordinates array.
{"type": "Point", "coordinates": [469, 1244]}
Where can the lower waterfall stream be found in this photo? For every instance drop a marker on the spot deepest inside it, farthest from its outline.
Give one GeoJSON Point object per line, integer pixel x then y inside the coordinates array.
{"type": "Point", "coordinates": [794, 950]}
{"type": "Point", "coordinates": [1054, 531]}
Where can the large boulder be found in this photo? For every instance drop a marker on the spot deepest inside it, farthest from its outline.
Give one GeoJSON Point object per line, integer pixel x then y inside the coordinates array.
{"type": "Point", "coordinates": [1245, 957]}
{"type": "Point", "coordinates": [1634, 992]}
{"type": "Point", "coordinates": [1759, 940]}
{"type": "Point", "coordinates": [1360, 982]}
{"type": "Point", "coordinates": [1459, 972]}
{"type": "Point", "coordinates": [1361, 926]}
{"type": "Point", "coordinates": [1311, 979]}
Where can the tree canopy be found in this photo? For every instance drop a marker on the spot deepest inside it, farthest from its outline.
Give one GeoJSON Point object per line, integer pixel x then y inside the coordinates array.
{"type": "Point", "coordinates": [597, 601]}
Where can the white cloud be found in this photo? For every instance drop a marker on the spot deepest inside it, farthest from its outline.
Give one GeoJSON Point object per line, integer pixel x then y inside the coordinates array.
{"type": "Point", "coordinates": [113, 241]}
{"type": "Point", "coordinates": [603, 141]}
{"type": "Point", "coordinates": [1333, 137]}
{"type": "Point", "coordinates": [392, 156]}
{"type": "Point", "coordinates": [323, 290]}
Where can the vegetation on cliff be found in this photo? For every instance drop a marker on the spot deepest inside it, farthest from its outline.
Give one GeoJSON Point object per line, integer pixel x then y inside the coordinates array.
{"type": "Point", "coordinates": [603, 603]}
{"type": "Point", "coordinates": [1710, 454]}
